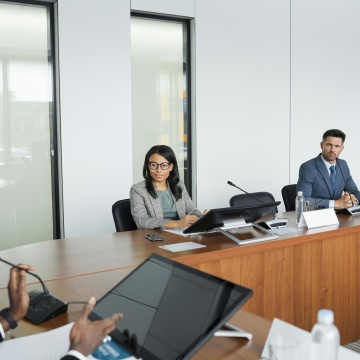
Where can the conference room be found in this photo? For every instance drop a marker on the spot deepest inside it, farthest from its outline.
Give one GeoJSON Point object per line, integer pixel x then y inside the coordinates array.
{"type": "Point", "coordinates": [267, 79]}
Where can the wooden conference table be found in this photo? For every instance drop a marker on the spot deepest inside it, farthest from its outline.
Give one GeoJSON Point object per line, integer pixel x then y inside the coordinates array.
{"type": "Point", "coordinates": [97, 284]}
{"type": "Point", "coordinates": [292, 277]}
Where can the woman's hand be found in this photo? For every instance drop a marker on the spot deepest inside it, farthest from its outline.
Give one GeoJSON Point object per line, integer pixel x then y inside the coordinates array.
{"type": "Point", "coordinates": [186, 221]}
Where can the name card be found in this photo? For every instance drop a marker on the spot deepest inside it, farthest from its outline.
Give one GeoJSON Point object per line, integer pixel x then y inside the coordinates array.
{"type": "Point", "coordinates": [317, 218]}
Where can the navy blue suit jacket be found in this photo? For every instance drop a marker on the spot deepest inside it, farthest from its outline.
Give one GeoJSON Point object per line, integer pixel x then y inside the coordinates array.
{"type": "Point", "coordinates": [314, 182]}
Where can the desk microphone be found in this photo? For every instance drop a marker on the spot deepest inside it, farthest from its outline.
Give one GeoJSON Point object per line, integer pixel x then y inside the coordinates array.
{"type": "Point", "coordinates": [43, 306]}
{"type": "Point", "coordinates": [271, 224]}
{"type": "Point", "coordinates": [232, 184]}
{"type": "Point", "coordinates": [355, 209]}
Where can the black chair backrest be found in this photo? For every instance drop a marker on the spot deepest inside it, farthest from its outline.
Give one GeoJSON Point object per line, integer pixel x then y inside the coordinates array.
{"type": "Point", "coordinates": [289, 194]}
{"type": "Point", "coordinates": [251, 199]}
{"type": "Point", "coordinates": [122, 216]}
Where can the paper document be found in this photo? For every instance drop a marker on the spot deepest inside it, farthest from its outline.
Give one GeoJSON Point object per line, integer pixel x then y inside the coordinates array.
{"type": "Point", "coordinates": [53, 345]}
{"type": "Point", "coordinates": [180, 232]}
{"type": "Point", "coordinates": [280, 327]}
{"type": "Point", "coordinates": [177, 231]}
{"type": "Point", "coordinates": [110, 350]}
{"type": "Point", "coordinates": [182, 246]}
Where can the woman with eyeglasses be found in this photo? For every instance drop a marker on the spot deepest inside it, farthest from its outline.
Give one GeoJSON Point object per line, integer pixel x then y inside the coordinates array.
{"type": "Point", "coordinates": [161, 200]}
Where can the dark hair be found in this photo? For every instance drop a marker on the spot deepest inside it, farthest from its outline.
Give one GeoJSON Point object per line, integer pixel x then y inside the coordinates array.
{"type": "Point", "coordinates": [334, 133]}
{"type": "Point", "coordinates": [173, 179]}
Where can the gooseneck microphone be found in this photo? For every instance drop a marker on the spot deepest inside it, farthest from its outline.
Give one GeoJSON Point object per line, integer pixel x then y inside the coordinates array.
{"type": "Point", "coordinates": [46, 291]}
{"type": "Point", "coordinates": [232, 184]}
{"type": "Point", "coordinates": [271, 224]}
{"type": "Point", "coordinates": [342, 174]}
{"type": "Point", "coordinates": [43, 306]}
{"type": "Point", "coordinates": [356, 209]}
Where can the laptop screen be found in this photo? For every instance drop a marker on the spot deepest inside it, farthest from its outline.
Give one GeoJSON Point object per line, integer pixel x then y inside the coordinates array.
{"type": "Point", "coordinates": [173, 309]}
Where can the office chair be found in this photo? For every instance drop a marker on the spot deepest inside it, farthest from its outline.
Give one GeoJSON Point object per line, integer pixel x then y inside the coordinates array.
{"type": "Point", "coordinates": [122, 216]}
{"type": "Point", "coordinates": [251, 199]}
{"type": "Point", "coordinates": [289, 194]}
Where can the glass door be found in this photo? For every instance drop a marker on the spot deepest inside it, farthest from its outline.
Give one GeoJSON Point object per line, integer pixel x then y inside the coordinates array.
{"type": "Point", "coordinates": [28, 206]}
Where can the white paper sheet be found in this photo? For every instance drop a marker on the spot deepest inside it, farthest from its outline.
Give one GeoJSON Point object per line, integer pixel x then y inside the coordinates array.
{"type": "Point", "coordinates": [182, 246]}
{"type": "Point", "coordinates": [177, 231]}
{"type": "Point", "coordinates": [49, 345]}
{"type": "Point", "coordinates": [280, 327]}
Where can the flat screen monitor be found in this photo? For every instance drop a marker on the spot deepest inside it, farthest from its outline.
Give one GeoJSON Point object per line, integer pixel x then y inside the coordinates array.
{"type": "Point", "coordinates": [221, 217]}
{"type": "Point", "coordinates": [172, 308]}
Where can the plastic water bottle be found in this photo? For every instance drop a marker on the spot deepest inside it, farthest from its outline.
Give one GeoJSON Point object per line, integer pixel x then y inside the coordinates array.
{"type": "Point", "coordinates": [300, 206]}
{"type": "Point", "coordinates": [325, 338]}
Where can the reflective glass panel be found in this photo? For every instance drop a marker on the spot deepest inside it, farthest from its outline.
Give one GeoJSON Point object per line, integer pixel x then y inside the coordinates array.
{"type": "Point", "coordinates": [26, 191]}
{"type": "Point", "coordinates": [159, 89]}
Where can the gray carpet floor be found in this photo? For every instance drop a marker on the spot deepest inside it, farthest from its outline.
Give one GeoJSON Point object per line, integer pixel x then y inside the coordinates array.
{"type": "Point", "coordinates": [354, 345]}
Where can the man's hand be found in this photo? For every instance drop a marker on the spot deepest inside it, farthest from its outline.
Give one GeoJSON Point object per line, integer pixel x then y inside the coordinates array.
{"type": "Point", "coordinates": [354, 199]}
{"type": "Point", "coordinates": [18, 295]}
{"type": "Point", "coordinates": [347, 200]}
{"type": "Point", "coordinates": [86, 336]}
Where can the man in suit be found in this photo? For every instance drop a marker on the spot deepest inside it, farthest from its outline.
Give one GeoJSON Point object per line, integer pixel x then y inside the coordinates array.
{"type": "Point", "coordinates": [85, 336]}
{"type": "Point", "coordinates": [327, 179]}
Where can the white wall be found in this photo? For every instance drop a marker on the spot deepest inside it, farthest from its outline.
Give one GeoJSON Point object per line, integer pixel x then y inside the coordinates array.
{"type": "Point", "coordinates": [95, 95]}
{"type": "Point", "coordinates": [325, 78]}
{"type": "Point", "coordinates": [269, 81]}
{"type": "Point", "coordinates": [242, 98]}
{"type": "Point", "coordinates": [165, 7]}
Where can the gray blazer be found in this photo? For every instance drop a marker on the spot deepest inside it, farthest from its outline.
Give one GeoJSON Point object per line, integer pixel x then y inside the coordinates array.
{"type": "Point", "coordinates": [147, 211]}
{"type": "Point", "coordinates": [314, 181]}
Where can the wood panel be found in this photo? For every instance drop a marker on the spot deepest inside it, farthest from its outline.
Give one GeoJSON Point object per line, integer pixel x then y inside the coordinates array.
{"type": "Point", "coordinates": [293, 279]}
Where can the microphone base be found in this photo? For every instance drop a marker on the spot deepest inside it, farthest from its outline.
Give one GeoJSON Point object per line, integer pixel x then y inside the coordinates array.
{"type": "Point", "coordinates": [275, 223]}
{"type": "Point", "coordinates": [43, 307]}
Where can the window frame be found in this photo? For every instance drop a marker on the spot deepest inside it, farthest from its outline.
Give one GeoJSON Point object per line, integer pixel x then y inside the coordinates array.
{"type": "Point", "coordinates": [54, 110]}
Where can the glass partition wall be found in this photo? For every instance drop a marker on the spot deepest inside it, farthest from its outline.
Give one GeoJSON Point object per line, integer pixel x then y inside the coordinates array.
{"type": "Point", "coordinates": [28, 210]}
{"type": "Point", "coordinates": [160, 90]}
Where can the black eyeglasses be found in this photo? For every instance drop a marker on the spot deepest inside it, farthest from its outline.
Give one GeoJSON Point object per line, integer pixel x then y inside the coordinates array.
{"type": "Point", "coordinates": [154, 165]}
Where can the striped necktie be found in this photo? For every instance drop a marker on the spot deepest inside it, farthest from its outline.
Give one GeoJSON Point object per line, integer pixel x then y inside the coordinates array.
{"type": "Point", "coordinates": [332, 178]}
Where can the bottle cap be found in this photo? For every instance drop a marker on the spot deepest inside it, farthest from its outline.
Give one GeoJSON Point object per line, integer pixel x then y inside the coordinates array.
{"type": "Point", "coordinates": [300, 193]}
{"type": "Point", "coordinates": [325, 316]}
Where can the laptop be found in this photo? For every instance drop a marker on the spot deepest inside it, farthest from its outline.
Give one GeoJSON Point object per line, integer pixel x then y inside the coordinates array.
{"type": "Point", "coordinates": [172, 308]}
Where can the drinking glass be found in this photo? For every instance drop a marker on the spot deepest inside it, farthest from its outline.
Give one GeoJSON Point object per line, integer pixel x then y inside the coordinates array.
{"type": "Point", "coordinates": [310, 205]}
{"type": "Point", "coordinates": [284, 348]}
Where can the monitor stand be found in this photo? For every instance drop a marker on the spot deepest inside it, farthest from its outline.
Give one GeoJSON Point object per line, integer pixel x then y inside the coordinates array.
{"type": "Point", "coordinates": [240, 224]}
{"type": "Point", "coordinates": [229, 330]}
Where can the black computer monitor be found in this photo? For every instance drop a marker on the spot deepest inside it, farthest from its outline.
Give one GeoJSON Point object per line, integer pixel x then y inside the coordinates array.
{"type": "Point", "coordinates": [216, 218]}
{"type": "Point", "coordinates": [172, 308]}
